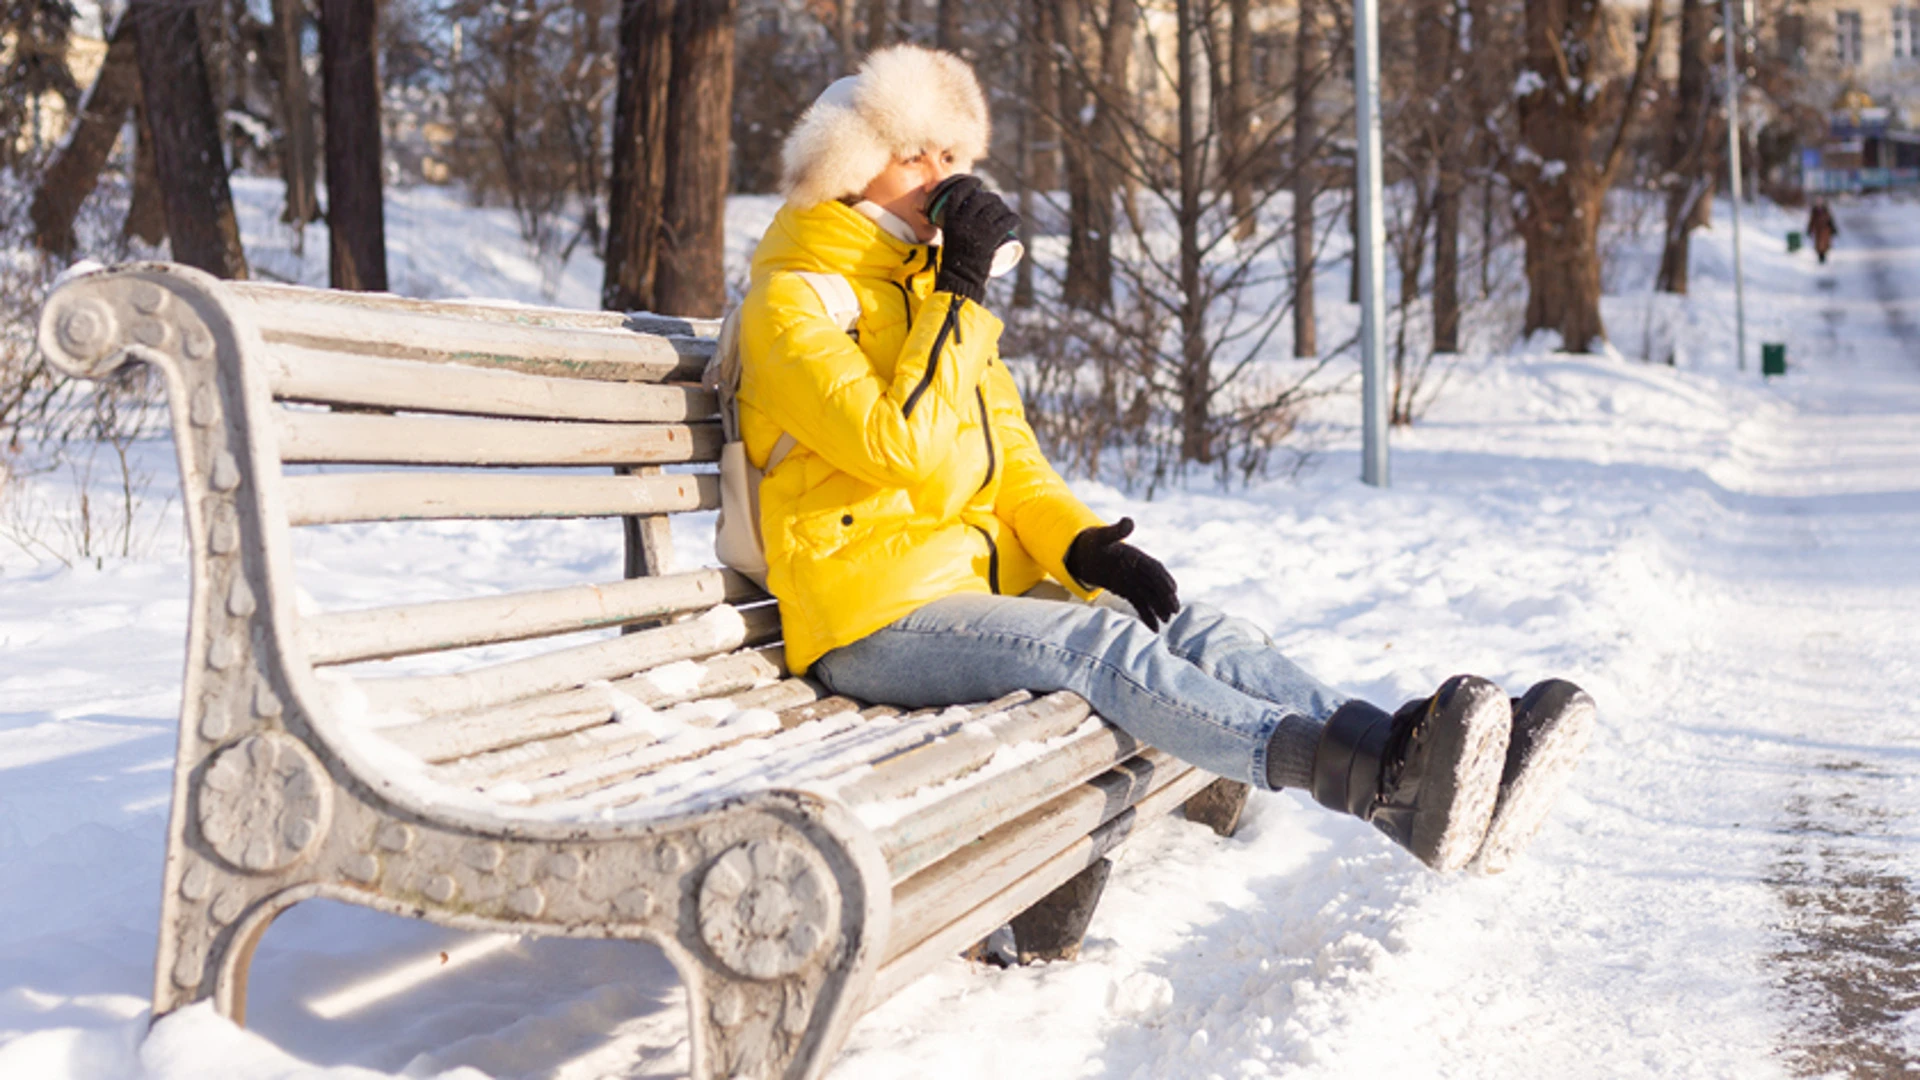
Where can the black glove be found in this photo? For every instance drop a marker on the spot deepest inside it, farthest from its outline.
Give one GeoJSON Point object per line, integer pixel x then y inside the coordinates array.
{"type": "Point", "coordinates": [973, 223]}
{"type": "Point", "coordinates": [1098, 560]}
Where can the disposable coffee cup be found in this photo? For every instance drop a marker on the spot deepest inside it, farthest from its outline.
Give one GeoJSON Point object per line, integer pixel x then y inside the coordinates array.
{"type": "Point", "coordinates": [1005, 257]}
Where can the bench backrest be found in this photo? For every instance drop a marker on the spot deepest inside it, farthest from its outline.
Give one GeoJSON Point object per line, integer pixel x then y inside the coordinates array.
{"type": "Point", "coordinates": [301, 407]}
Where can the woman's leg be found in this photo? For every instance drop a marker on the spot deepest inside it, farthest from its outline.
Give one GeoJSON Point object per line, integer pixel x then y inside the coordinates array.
{"type": "Point", "coordinates": [1241, 655]}
{"type": "Point", "coordinates": [975, 647]}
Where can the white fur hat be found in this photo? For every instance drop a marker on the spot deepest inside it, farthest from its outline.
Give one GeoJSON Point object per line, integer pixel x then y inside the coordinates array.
{"type": "Point", "coordinates": [905, 99]}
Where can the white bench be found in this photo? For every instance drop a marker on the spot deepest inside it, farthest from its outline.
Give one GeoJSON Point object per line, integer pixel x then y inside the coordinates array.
{"type": "Point", "coordinates": [798, 857]}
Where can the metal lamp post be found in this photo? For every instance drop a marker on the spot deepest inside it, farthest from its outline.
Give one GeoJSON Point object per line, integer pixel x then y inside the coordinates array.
{"type": "Point", "coordinates": [1373, 364]}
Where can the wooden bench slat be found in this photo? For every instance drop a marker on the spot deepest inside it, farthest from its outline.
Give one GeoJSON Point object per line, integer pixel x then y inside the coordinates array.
{"type": "Point", "coordinates": [326, 377]}
{"type": "Point", "coordinates": [814, 710]}
{"type": "Point", "coordinates": [339, 498]}
{"type": "Point", "coordinates": [570, 763]}
{"type": "Point", "coordinates": [343, 304]}
{"type": "Point", "coordinates": [914, 960]}
{"type": "Point", "coordinates": [602, 347]}
{"type": "Point", "coordinates": [1050, 717]}
{"type": "Point", "coordinates": [381, 633]}
{"type": "Point", "coordinates": [925, 836]}
{"type": "Point", "coordinates": [493, 717]}
{"type": "Point", "coordinates": [1010, 852]}
{"type": "Point", "coordinates": [307, 437]}
{"type": "Point", "coordinates": [604, 771]}
{"type": "Point", "coordinates": [855, 749]}
{"type": "Point", "coordinates": [583, 712]}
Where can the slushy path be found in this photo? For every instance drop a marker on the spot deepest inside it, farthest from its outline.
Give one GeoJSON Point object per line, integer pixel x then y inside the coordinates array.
{"type": "Point", "coordinates": [1832, 525]}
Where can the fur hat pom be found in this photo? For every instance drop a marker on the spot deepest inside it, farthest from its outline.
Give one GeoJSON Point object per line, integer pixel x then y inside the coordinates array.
{"type": "Point", "coordinates": [905, 99]}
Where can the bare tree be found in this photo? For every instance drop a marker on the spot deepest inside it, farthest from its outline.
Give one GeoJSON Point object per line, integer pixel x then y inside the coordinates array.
{"type": "Point", "coordinates": [1693, 143]}
{"type": "Point", "coordinates": [946, 34]}
{"type": "Point", "coordinates": [1450, 134]}
{"type": "Point", "coordinates": [356, 214]}
{"type": "Point", "coordinates": [638, 189]}
{"type": "Point", "coordinates": [299, 157]}
{"type": "Point", "coordinates": [1237, 117]}
{"type": "Point", "coordinates": [186, 137]}
{"type": "Point", "coordinates": [691, 262]}
{"type": "Point", "coordinates": [1307, 62]}
{"type": "Point", "coordinates": [146, 209]}
{"type": "Point", "coordinates": [75, 170]}
{"type": "Point", "coordinates": [1569, 96]}
{"type": "Point", "coordinates": [1093, 88]}
{"type": "Point", "coordinates": [1174, 372]}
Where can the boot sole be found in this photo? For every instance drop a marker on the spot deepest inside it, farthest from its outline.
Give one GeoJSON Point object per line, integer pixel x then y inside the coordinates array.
{"type": "Point", "coordinates": [1469, 751]}
{"type": "Point", "coordinates": [1565, 717]}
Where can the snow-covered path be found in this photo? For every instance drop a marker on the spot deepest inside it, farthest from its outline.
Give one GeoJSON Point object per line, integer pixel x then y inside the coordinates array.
{"type": "Point", "coordinates": [1729, 890]}
{"type": "Point", "coordinates": [1829, 522]}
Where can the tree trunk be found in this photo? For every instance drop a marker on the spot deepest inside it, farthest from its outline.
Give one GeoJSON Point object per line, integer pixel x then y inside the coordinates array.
{"type": "Point", "coordinates": [1564, 182]}
{"type": "Point", "coordinates": [638, 190]}
{"type": "Point", "coordinates": [843, 20]}
{"type": "Point", "coordinates": [1085, 223]}
{"type": "Point", "coordinates": [876, 25]}
{"type": "Point", "coordinates": [1453, 135]}
{"type": "Point", "coordinates": [147, 213]}
{"type": "Point", "coordinates": [947, 25]}
{"type": "Point", "coordinates": [692, 274]}
{"type": "Point", "coordinates": [1093, 148]}
{"type": "Point", "coordinates": [1110, 131]}
{"type": "Point", "coordinates": [356, 218]}
{"type": "Point", "coordinates": [74, 173]}
{"type": "Point", "coordinates": [298, 160]}
{"type": "Point", "coordinates": [187, 150]}
{"type": "Point", "coordinates": [1446, 262]}
{"type": "Point", "coordinates": [1044, 106]}
{"type": "Point", "coordinates": [1196, 378]}
{"type": "Point", "coordinates": [1306, 177]}
{"type": "Point", "coordinates": [1692, 155]}
{"type": "Point", "coordinates": [1238, 114]}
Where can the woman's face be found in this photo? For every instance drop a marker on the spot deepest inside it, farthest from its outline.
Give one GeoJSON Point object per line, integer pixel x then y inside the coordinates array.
{"type": "Point", "coordinates": [902, 188]}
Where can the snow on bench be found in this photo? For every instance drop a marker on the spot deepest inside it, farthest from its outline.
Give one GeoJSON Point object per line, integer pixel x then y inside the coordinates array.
{"type": "Point", "coordinates": [798, 856]}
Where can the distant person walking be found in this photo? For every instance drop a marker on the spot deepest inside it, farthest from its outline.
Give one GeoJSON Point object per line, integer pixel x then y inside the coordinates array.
{"type": "Point", "coordinates": [1820, 226]}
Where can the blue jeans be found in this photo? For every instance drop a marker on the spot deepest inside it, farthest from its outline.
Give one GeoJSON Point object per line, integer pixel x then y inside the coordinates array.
{"type": "Point", "coordinates": [1207, 688]}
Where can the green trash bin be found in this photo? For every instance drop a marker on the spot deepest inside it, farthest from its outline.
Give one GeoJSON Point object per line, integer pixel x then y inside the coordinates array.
{"type": "Point", "coordinates": [1793, 241]}
{"type": "Point", "coordinates": [1773, 358]}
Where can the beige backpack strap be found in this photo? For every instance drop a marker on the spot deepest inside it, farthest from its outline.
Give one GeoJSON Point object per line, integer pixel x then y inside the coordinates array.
{"type": "Point", "coordinates": [781, 448]}
{"type": "Point", "coordinates": [843, 309]}
{"type": "Point", "coordinates": [836, 295]}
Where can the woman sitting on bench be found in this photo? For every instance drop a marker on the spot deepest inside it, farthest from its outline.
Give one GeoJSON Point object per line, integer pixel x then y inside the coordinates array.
{"type": "Point", "coordinates": [914, 531]}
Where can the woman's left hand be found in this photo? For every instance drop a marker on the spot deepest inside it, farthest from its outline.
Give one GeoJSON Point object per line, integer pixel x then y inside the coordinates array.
{"type": "Point", "coordinates": [1099, 560]}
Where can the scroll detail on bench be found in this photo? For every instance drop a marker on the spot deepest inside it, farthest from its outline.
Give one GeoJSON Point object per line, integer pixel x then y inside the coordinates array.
{"type": "Point", "coordinates": [798, 857]}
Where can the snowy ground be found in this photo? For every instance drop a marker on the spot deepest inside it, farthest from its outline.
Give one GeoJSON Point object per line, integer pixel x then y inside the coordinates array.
{"type": "Point", "coordinates": [1729, 890]}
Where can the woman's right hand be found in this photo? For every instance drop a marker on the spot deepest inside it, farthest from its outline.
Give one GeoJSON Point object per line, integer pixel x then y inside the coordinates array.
{"type": "Point", "coordinates": [974, 222]}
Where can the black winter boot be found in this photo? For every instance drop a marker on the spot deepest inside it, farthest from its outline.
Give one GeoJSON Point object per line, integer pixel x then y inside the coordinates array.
{"type": "Point", "coordinates": [1551, 725]}
{"type": "Point", "coordinates": [1427, 776]}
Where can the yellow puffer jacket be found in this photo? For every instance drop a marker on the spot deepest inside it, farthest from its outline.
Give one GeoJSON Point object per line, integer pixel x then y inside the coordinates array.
{"type": "Point", "coordinates": [915, 475]}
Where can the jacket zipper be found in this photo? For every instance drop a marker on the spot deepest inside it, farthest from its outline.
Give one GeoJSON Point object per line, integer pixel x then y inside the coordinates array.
{"type": "Point", "coordinates": [950, 326]}
{"type": "Point", "coordinates": [993, 558]}
{"type": "Point", "coordinates": [986, 432]}
{"type": "Point", "coordinates": [906, 294]}
{"type": "Point", "coordinates": [906, 298]}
